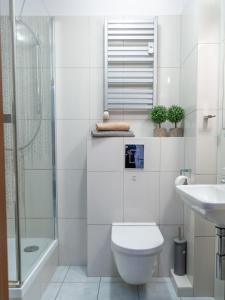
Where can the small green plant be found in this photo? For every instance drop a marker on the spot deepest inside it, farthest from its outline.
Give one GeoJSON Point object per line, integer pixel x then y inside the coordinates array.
{"type": "Point", "coordinates": [175, 114]}
{"type": "Point", "coordinates": [158, 114]}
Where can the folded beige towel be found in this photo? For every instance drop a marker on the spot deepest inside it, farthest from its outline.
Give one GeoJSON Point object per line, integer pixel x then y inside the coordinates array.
{"type": "Point", "coordinates": [113, 126]}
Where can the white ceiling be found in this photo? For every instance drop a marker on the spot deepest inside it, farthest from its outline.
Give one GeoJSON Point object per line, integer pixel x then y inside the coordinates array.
{"type": "Point", "coordinates": [100, 7]}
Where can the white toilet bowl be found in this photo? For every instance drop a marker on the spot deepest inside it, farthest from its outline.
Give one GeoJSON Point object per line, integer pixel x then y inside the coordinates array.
{"type": "Point", "coordinates": [135, 247]}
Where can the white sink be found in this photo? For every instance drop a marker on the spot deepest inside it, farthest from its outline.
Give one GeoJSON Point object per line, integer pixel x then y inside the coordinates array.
{"type": "Point", "coordinates": [207, 200]}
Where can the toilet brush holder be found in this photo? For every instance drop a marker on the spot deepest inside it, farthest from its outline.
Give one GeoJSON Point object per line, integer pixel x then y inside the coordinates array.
{"type": "Point", "coordinates": [180, 256]}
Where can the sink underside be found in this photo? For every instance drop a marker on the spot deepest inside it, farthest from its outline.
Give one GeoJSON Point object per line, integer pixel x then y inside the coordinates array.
{"type": "Point", "coordinates": [207, 200]}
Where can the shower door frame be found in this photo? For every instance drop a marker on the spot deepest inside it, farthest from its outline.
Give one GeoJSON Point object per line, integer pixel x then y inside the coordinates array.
{"type": "Point", "coordinates": [3, 218]}
{"type": "Point", "coordinates": [18, 282]}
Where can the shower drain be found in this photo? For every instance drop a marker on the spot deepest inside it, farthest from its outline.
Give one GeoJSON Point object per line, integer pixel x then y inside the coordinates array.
{"type": "Point", "coordinates": [32, 248]}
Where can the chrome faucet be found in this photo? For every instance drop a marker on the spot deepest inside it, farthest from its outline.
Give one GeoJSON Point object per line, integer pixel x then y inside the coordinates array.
{"type": "Point", "coordinates": [222, 180]}
{"type": "Point", "coordinates": [185, 171]}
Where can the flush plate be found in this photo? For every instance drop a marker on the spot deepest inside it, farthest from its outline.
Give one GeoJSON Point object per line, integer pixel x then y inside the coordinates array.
{"type": "Point", "coordinates": [134, 156]}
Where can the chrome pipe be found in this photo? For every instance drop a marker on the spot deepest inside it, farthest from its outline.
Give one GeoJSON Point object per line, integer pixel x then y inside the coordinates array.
{"type": "Point", "coordinates": [220, 255]}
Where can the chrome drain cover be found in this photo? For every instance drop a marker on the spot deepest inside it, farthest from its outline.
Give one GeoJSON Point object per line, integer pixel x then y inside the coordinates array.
{"type": "Point", "coordinates": [32, 248]}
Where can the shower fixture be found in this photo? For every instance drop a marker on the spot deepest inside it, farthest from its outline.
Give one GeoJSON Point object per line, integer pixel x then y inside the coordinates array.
{"type": "Point", "coordinates": [23, 39]}
{"type": "Point", "coordinates": [20, 36]}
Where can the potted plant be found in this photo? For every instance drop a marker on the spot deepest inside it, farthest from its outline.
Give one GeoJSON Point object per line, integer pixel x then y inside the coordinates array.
{"type": "Point", "coordinates": [159, 115]}
{"type": "Point", "coordinates": [175, 115]}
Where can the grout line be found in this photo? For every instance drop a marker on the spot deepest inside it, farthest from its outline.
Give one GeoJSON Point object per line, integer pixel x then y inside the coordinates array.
{"type": "Point", "coordinates": [66, 274]}
{"type": "Point", "coordinates": [152, 221]}
{"type": "Point", "coordinates": [100, 280]}
{"type": "Point", "coordinates": [61, 284]}
{"type": "Point", "coordinates": [138, 292]}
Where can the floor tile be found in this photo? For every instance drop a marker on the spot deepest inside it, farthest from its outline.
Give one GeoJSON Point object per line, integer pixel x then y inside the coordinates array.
{"type": "Point", "coordinates": [157, 291]}
{"type": "Point", "coordinates": [117, 291]}
{"type": "Point", "coordinates": [60, 274]}
{"type": "Point", "coordinates": [79, 274]}
{"type": "Point", "coordinates": [78, 291]}
{"type": "Point", "coordinates": [51, 291]}
{"type": "Point", "coordinates": [111, 279]}
{"type": "Point", "coordinates": [160, 280]}
{"type": "Point", "coordinates": [197, 298]}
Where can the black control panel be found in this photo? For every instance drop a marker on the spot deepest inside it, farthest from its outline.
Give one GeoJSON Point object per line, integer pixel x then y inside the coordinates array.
{"type": "Point", "coordinates": [134, 156]}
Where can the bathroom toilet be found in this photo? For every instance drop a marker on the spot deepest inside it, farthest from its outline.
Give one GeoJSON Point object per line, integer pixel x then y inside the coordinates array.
{"type": "Point", "coordinates": [135, 247]}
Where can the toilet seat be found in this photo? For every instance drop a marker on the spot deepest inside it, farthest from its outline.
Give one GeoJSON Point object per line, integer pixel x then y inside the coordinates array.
{"type": "Point", "coordinates": [137, 238]}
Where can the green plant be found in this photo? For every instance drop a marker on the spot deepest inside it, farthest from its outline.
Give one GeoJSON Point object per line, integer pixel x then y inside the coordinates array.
{"type": "Point", "coordinates": [175, 114]}
{"type": "Point", "coordinates": [158, 114]}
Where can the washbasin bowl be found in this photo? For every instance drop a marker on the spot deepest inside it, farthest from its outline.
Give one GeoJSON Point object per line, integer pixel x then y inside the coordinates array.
{"type": "Point", "coordinates": [207, 200]}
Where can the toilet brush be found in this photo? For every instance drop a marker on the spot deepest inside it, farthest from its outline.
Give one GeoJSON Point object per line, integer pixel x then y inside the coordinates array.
{"type": "Point", "coordinates": [180, 254]}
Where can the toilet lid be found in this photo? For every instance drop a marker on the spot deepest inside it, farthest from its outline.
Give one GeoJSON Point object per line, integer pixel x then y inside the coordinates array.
{"type": "Point", "coordinates": [139, 239]}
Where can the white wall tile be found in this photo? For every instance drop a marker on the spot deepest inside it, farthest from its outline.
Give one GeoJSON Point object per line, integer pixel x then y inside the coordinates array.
{"type": "Point", "coordinates": [116, 8]}
{"type": "Point", "coordinates": [206, 161]}
{"type": "Point", "coordinates": [72, 47]}
{"type": "Point", "coordinates": [41, 159]}
{"type": "Point", "coordinates": [189, 220]}
{"type": "Point", "coordinates": [72, 193]}
{"type": "Point", "coordinates": [105, 197]}
{"type": "Point", "coordinates": [189, 82]}
{"type": "Point", "coordinates": [82, 65]}
{"type": "Point", "coordinates": [190, 153]}
{"type": "Point", "coordinates": [169, 41]}
{"type": "Point", "coordinates": [223, 118]}
{"type": "Point", "coordinates": [209, 21]}
{"type": "Point", "coordinates": [171, 207]}
{"type": "Point", "coordinates": [140, 127]}
{"type": "Point", "coordinates": [100, 257]}
{"type": "Point", "coordinates": [190, 124]}
{"type": "Point", "coordinates": [141, 196]}
{"type": "Point", "coordinates": [72, 242]}
{"type": "Point", "coordinates": [205, 179]}
{"type": "Point", "coordinates": [96, 93]}
{"type": "Point", "coordinates": [168, 86]}
{"type": "Point", "coordinates": [105, 154]}
{"type": "Point", "coordinates": [97, 41]}
{"type": "Point", "coordinates": [167, 254]}
{"type": "Point", "coordinates": [172, 154]}
{"type": "Point", "coordinates": [204, 266]}
{"type": "Point", "coordinates": [38, 194]}
{"type": "Point", "coordinates": [40, 228]}
{"type": "Point", "coordinates": [72, 93]}
{"type": "Point", "coordinates": [189, 31]}
{"type": "Point", "coordinates": [151, 151]}
{"type": "Point", "coordinates": [136, 115]}
{"type": "Point", "coordinates": [219, 289]}
{"type": "Point", "coordinates": [71, 143]}
{"type": "Point", "coordinates": [208, 72]}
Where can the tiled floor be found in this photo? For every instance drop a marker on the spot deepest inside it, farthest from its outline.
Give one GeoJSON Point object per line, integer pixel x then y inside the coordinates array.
{"type": "Point", "coordinates": [72, 283]}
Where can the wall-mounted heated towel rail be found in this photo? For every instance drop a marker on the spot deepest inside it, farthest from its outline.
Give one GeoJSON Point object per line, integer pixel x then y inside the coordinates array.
{"type": "Point", "coordinates": [130, 80]}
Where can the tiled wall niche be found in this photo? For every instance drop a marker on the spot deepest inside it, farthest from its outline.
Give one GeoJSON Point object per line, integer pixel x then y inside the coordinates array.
{"type": "Point", "coordinates": [116, 194]}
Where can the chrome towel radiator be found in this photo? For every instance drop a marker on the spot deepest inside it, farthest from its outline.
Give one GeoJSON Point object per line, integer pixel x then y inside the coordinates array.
{"type": "Point", "coordinates": [130, 77]}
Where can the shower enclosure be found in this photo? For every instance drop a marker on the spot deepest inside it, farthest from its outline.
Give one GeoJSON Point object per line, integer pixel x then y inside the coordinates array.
{"type": "Point", "coordinates": [28, 96]}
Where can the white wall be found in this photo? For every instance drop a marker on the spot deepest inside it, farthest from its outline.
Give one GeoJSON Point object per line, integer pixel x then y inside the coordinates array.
{"type": "Point", "coordinates": [116, 194]}
{"type": "Point", "coordinates": [79, 105]}
{"type": "Point", "coordinates": [101, 7]}
{"type": "Point", "coordinates": [219, 285]}
{"type": "Point", "coordinates": [199, 97]}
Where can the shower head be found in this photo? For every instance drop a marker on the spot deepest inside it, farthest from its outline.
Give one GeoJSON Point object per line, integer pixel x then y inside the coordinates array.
{"type": "Point", "coordinates": [25, 34]}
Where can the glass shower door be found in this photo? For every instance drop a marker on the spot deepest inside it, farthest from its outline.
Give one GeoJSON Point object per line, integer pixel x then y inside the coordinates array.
{"type": "Point", "coordinates": [29, 135]}
{"type": "Point", "coordinates": [9, 141]}
{"type": "Point", "coordinates": [35, 135]}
